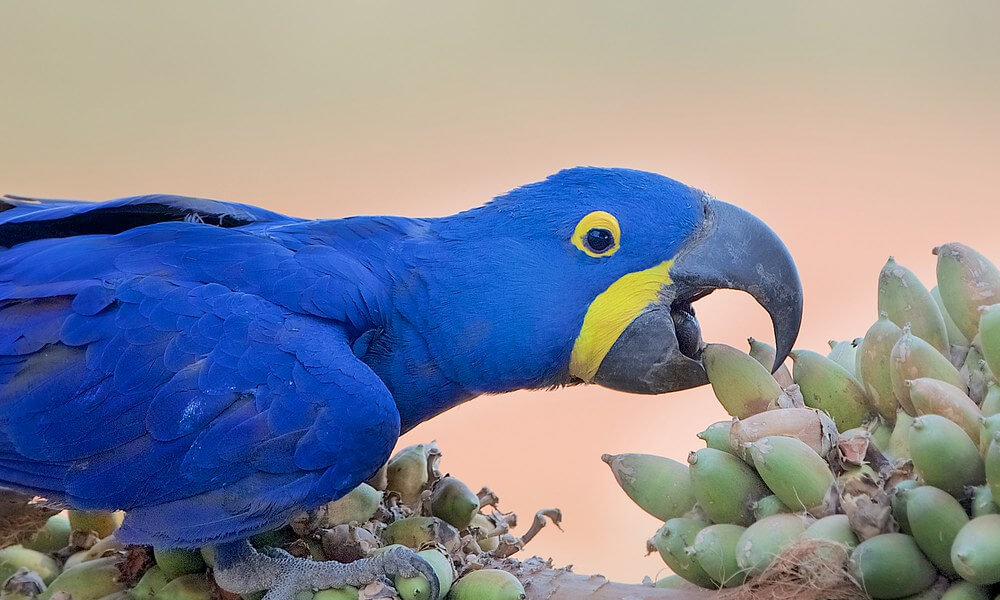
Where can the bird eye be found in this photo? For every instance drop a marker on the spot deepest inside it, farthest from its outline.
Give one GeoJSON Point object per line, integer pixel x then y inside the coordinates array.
{"type": "Point", "coordinates": [597, 234]}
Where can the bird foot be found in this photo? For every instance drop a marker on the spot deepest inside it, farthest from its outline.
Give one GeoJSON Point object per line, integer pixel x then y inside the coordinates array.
{"type": "Point", "coordinates": [243, 570]}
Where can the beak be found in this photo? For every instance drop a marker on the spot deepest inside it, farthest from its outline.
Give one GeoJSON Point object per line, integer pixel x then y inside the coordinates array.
{"type": "Point", "coordinates": [660, 349]}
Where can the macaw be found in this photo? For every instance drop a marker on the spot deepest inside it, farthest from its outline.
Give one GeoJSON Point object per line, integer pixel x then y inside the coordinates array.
{"type": "Point", "coordinates": [215, 368]}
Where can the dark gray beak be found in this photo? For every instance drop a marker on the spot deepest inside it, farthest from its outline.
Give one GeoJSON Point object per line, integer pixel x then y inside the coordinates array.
{"type": "Point", "coordinates": [660, 350]}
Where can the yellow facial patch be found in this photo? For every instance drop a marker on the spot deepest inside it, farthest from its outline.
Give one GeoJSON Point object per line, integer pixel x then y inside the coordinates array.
{"type": "Point", "coordinates": [611, 312]}
{"type": "Point", "coordinates": [597, 220]}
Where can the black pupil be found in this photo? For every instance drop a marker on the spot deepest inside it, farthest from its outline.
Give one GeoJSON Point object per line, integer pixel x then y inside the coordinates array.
{"type": "Point", "coordinates": [599, 240]}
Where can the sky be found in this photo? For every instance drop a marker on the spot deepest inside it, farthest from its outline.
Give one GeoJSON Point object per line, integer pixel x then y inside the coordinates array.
{"type": "Point", "coordinates": [857, 130]}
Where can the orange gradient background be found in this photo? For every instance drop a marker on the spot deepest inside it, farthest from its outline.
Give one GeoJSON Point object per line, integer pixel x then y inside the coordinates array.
{"type": "Point", "coordinates": [856, 129]}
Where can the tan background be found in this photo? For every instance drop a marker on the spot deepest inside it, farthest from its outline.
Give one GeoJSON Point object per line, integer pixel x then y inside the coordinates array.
{"type": "Point", "coordinates": [856, 129]}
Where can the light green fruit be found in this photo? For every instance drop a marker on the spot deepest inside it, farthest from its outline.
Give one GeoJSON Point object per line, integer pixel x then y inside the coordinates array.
{"type": "Point", "coordinates": [944, 456]}
{"type": "Point", "coordinates": [725, 486]}
{"type": "Point", "coordinates": [934, 397]}
{"type": "Point", "coordinates": [992, 465]}
{"type": "Point", "coordinates": [672, 582]}
{"type": "Point", "coordinates": [976, 553]}
{"type": "Point", "coordinates": [101, 523]}
{"type": "Point", "coordinates": [989, 337]}
{"type": "Point", "coordinates": [873, 366]}
{"type": "Point", "coordinates": [671, 540]}
{"type": "Point", "coordinates": [967, 281]}
{"type": "Point", "coordinates": [835, 528]}
{"type": "Point", "coordinates": [765, 354]}
{"type": "Point", "coordinates": [899, 441]}
{"type": "Point", "coordinates": [763, 541]}
{"type": "Point", "coordinates": [898, 503]}
{"type": "Point", "coordinates": [152, 581]}
{"type": "Point", "coordinates": [487, 543]}
{"type": "Point", "coordinates": [14, 557]}
{"type": "Point", "coordinates": [413, 532]}
{"type": "Point", "coordinates": [891, 566]}
{"type": "Point", "coordinates": [54, 536]}
{"type": "Point", "coordinates": [659, 485]}
{"type": "Point", "coordinates": [845, 354]}
{"type": "Point", "coordinates": [982, 502]}
{"type": "Point", "coordinates": [406, 473]}
{"type": "Point", "coordinates": [769, 505]}
{"type": "Point", "coordinates": [418, 588]}
{"type": "Point", "coordinates": [963, 590]}
{"type": "Point", "coordinates": [829, 387]}
{"type": "Point", "coordinates": [935, 519]}
{"type": "Point", "coordinates": [881, 433]}
{"type": "Point", "coordinates": [454, 502]}
{"type": "Point", "coordinates": [488, 584]}
{"type": "Point", "coordinates": [955, 336]}
{"type": "Point", "coordinates": [794, 472]}
{"type": "Point", "coordinates": [913, 358]}
{"type": "Point", "coordinates": [742, 385]}
{"type": "Point", "coordinates": [357, 506]}
{"type": "Point", "coordinates": [348, 592]}
{"type": "Point", "coordinates": [991, 403]}
{"type": "Point", "coordinates": [977, 374]}
{"type": "Point", "coordinates": [808, 425]}
{"type": "Point", "coordinates": [714, 549]}
{"type": "Point", "coordinates": [187, 587]}
{"type": "Point", "coordinates": [175, 563]}
{"type": "Point", "coordinates": [717, 436]}
{"type": "Point", "coordinates": [88, 581]}
{"type": "Point", "coordinates": [904, 299]}
{"type": "Point", "coordinates": [988, 429]}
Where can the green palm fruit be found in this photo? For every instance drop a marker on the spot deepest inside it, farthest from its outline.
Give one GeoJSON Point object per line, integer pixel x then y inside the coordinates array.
{"type": "Point", "coordinates": [982, 502]}
{"type": "Point", "coordinates": [989, 337]}
{"type": "Point", "coordinates": [808, 425]}
{"type": "Point", "coordinates": [967, 281]}
{"type": "Point", "coordinates": [903, 297]}
{"type": "Point", "coordinates": [407, 473]}
{"type": "Point", "coordinates": [988, 428]}
{"type": "Point", "coordinates": [765, 354]}
{"type": "Point", "coordinates": [671, 540]}
{"type": "Point", "coordinates": [763, 541]}
{"type": "Point", "coordinates": [976, 373]}
{"type": "Point", "coordinates": [934, 397]}
{"type": "Point", "coordinates": [380, 480]}
{"type": "Point", "coordinates": [90, 580]}
{"type": "Point", "coordinates": [186, 587]}
{"type": "Point", "coordinates": [717, 436]}
{"type": "Point", "coordinates": [482, 524]}
{"type": "Point", "coordinates": [976, 553]}
{"type": "Point", "coordinates": [898, 503]}
{"type": "Point", "coordinates": [881, 433]}
{"type": "Point", "coordinates": [943, 454]}
{"type": "Point", "coordinates": [454, 502]}
{"type": "Point", "coordinates": [767, 506]}
{"type": "Point", "coordinates": [991, 402]}
{"type": "Point", "coordinates": [672, 582]}
{"type": "Point", "coordinates": [659, 485]}
{"type": "Point", "coordinates": [891, 566]}
{"type": "Point", "coordinates": [175, 563]}
{"type": "Point", "coordinates": [54, 536]}
{"type": "Point", "coordinates": [417, 588]}
{"type": "Point", "coordinates": [794, 472]}
{"type": "Point", "coordinates": [357, 506]}
{"type": "Point", "coordinates": [725, 486]}
{"type": "Point", "coordinates": [992, 465]}
{"type": "Point", "coordinates": [742, 385]}
{"type": "Point", "coordinates": [955, 337]}
{"type": "Point", "coordinates": [101, 523]}
{"type": "Point", "coordinates": [413, 532]}
{"type": "Point", "coordinates": [899, 441]}
{"type": "Point", "coordinates": [13, 558]}
{"type": "Point", "coordinates": [829, 387]}
{"type": "Point", "coordinates": [913, 358]}
{"type": "Point", "coordinates": [348, 592]}
{"type": "Point", "coordinates": [874, 366]}
{"type": "Point", "coordinates": [714, 549]}
{"type": "Point", "coordinates": [845, 354]}
{"type": "Point", "coordinates": [935, 518]}
{"type": "Point", "coordinates": [152, 581]}
{"type": "Point", "coordinates": [835, 528]}
{"type": "Point", "coordinates": [963, 590]}
{"type": "Point", "coordinates": [488, 584]}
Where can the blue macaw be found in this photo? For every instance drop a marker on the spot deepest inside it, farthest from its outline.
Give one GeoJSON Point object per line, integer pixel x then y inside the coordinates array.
{"type": "Point", "coordinates": [214, 368]}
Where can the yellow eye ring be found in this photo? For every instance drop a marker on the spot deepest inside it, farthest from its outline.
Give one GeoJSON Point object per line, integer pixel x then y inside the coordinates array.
{"type": "Point", "coordinates": [601, 224]}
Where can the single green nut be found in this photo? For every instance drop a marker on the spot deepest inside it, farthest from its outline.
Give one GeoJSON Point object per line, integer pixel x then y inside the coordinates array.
{"type": "Point", "coordinates": [488, 584]}
{"type": "Point", "coordinates": [101, 523]}
{"type": "Point", "coordinates": [672, 582]}
{"type": "Point", "coordinates": [891, 566]}
{"type": "Point", "coordinates": [357, 506]}
{"type": "Point", "coordinates": [982, 502]}
{"type": "Point", "coordinates": [54, 536]}
{"type": "Point", "coordinates": [414, 532]}
{"type": "Point", "coordinates": [993, 466]}
{"type": "Point", "coordinates": [976, 553]}
{"type": "Point", "coordinates": [794, 472]}
{"type": "Point", "coordinates": [955, 335]}
{"type": "Point", "coordinates": [933, 397]}
{"type": "Point", "coordinates": [725, 486]}
{"type": "Point", "coordinates": [897, 502]}
{"type": "Point", "coordinates": [976, 373]}
{"type": "Point", "coordinates": [671, 541]}
{"type": "Point", "coordinates": [454, 502]}
{"type": "Point", "coordinates": [406, 473]}
{"type": "Point", "coordinates": [175, 563]}
{"type": "Point", "coordinates": [348, 592]}
{"type": "Point", "coordinates": [944, 456]}
{"type": "Point", "coordinates": [963, 590]}
{"type": "Point", "coordinates": [913, 358]}
{"type": "Point", "coordinates": [845, 354]}
{"type": "Point", "coordinates": [763, 541]}
{"type": "Point", "coordinates": [881, 434]}
{"type": "Point", "coordinates": [905, 300]}
{"type": "Point", "coordinates": [935, 519]}
{"type": "Point", "coordinates": [89, 580]}
{"type": "Point", "coordinates": [152, 581]}
{"type": "Point", "coordinates": [989, 337]}
{"type": "Point", "coordinates": [187, 587]}
{"type": "Point", "coordinates": [765, 354]}
{"type": "Point", "coordinates": [835, 528]}
{"type": "Point", "coordinates": [716, 436]}
{"type": "Point", "coordinates": [991, 403]}
{"type": "Point", "coordinates": [660, 486]}
{"type": "Point", "coordinates": [418, 588]}
{"type": "Point", "coordinates": [743, 386]}
{"type": "Point", "coordinates": [988, 429]}
{"type": "Point", "coordinates": [769, 505]}
{"type": "Point", "coordinates": [967, 281]}
{"type": "Point", "coordinates": [15, 557]}
{"type": "Point", "coordinates": [714, 549]}
{"type": "Point", "coordinates": [829, 387]}
{"type": "Point", "coordinates": [873, 366]}
{"type": "Point", "coordinates": [899, 441]}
